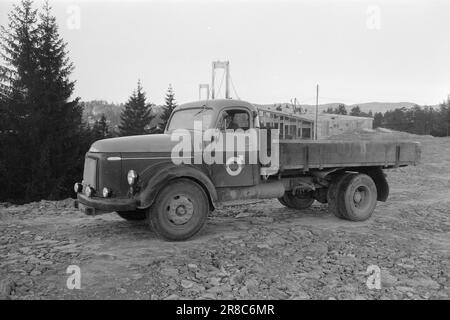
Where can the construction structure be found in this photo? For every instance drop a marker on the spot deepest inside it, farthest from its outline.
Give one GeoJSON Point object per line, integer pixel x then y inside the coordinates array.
{"type": "Point", "coordinates": [201, 87]}
{"type": "Point", "coordinates": [225, 65]}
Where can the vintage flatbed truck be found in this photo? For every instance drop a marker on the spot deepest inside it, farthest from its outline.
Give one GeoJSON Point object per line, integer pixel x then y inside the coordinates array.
{"type": "Point", "coordinates": [136, 176]}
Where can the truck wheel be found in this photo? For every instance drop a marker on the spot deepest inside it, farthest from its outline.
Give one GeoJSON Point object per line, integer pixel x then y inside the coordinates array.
{"type": "Point", "coordinates": [332, 193]}
{"type": "Point", "coordinates": [299, 202]}
{"type": "Point", "coordinates": [357, 197]}
{"type": "Point", "coordinates": [137, 215]}
{"type": "Point", "coordinates": [281, 200]}
{"type": "Point", "coordinates": [179, 211]}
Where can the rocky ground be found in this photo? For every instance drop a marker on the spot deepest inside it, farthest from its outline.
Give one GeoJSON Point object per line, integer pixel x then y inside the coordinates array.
{"type": "Point", "coordinates": [258, 250]}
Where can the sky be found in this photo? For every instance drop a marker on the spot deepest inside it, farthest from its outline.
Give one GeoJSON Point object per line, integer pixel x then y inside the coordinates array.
{"type": "Point", "coordinates": [357, 51]}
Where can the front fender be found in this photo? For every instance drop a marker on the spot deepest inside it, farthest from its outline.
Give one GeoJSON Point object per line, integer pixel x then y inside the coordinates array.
{"type": "Point", "coordinates": [157, 176]}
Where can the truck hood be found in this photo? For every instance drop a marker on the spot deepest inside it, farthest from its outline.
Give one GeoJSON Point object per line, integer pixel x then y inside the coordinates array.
{"type": "Point", "coordinates": [142, 143]}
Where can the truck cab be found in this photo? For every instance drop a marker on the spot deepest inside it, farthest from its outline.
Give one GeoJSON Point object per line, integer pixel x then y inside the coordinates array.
{"type": "Point", "coordinates": [173, 180]}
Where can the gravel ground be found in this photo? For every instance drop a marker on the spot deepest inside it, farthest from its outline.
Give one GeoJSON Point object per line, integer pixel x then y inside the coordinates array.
{"type": "Point", "coordinates": [257, 250]}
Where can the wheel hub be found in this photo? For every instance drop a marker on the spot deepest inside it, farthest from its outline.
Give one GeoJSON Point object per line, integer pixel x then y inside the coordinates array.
{"type": "Point", "coordinates": [180, 210]}
{"type": "Point", "coordinates": [357, 197]}
{"type": "Point", "coordinates": [360, 197]}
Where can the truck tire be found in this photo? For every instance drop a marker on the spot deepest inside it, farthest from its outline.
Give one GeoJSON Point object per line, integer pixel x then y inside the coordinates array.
{"type": "Point", "coordinates": [281, 200]}
{"type": "Point", "coordinates": [299, 202]}
{"type": "Point", "coordinates": [137, 215]}
{"type": "Point", "coordinates": [332, 194]}
{"type": "Point", "coordinates": [179, 211]}
{"type": "Point", "coordinates": [357, 197]}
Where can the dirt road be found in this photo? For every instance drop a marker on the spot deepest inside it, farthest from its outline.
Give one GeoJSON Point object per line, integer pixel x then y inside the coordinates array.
{"type": "Point", "coordinates": [259, 250]}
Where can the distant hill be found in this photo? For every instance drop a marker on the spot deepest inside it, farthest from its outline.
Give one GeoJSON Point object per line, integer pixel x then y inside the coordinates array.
{"type": "Point", "coordinates": [369, 106]}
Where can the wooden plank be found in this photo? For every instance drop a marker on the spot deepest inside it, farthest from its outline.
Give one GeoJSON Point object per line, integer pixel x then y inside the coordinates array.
{"type": "Point", "coordinates": [321, 154]}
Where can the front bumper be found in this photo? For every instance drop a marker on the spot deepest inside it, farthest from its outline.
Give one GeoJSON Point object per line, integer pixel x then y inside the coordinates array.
{"type": "Point", "coordinates": [97, 205]}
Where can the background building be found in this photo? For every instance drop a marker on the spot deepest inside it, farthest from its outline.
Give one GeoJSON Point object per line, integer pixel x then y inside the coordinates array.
{"type": "Point", "coordinates": [301, 125]}
{"type": "Point", "coordinates": [334, 124]}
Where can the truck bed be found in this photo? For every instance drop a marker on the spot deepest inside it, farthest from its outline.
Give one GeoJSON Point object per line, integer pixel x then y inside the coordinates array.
{"type": "Point", "coordinates": [301, 154]}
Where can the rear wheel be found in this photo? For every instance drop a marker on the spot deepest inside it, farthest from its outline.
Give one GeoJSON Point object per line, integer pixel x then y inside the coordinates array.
{"type": "Point", "coordinates": [180, 210]}
{"type": "Point", "coordinates": [357, 197]}
{"type": "Point", "coordinates": [137, 215]}
{"type": "Point", "coordinates": [332, 194]}
{"type": "Point", "coordinates": [298, 201]}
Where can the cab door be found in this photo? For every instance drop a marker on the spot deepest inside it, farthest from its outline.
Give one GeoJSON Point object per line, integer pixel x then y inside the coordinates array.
{"type": "Point", "coordinates": [238, 166]}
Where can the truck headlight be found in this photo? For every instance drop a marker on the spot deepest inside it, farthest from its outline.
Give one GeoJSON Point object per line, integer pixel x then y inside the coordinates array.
{"type": "Point", "coordinates": [88, 191]}
{"type": "Point", "coordinates": [132, 177]}
{"type": "Point", "coordinates": [106, 192]}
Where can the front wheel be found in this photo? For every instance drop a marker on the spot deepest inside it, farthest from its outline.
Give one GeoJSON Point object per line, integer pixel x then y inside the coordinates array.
{"type": "Point", "coordinates": [180, 210]}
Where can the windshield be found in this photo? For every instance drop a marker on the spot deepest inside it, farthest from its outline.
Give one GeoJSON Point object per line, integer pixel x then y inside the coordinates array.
{"type": "Point", "coordinates": [184, 119]}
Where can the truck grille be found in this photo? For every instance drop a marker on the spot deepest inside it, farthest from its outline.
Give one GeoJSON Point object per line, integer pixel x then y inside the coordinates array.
{"type": "Point", "coordinates": [90, 172]}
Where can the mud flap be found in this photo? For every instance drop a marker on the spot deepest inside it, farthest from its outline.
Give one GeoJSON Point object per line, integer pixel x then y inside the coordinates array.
{"type": "Point", "coordinates": [378, 176]}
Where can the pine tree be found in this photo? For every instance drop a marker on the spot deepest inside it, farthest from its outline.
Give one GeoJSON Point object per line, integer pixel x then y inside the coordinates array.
{"type": "Point", "coordinates": [58, 119]}
{"type": "Point", "coordinates": [377, 120]}
{"type": "Point", "coordinates": [100, 129]}
{"type": "Point", "coordinates": [45, 124]}
{"type": "Point", "coordinates": [135, 118]}
{"type": "Point", "coordinates": [18, 76]}
{"type": "Point", "coordinates": [341, 109]}
{"type": "Point", "coordinates": [168, 107]}
{"type": "Point", "coordinates": [356, 111]}
{"type": "Point", "coordinates": [18, 73]}
{"type": "Point", "coordinates": [18, 44]}
{"type": "Point", "coordinates": [329, 110]}
{"type": "Point", "coordinates": [444, 120]}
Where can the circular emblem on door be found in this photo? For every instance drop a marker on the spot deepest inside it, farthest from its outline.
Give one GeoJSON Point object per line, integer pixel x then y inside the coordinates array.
{"type": "Point", "coordinates": [234, 165]}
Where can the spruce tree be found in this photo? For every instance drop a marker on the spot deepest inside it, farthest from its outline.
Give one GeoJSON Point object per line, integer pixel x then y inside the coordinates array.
{"type": "Point", "coordinates": [356, 111]}
{"type": "Point", "coordinates": [58, 118]}
{"type": "Point", "coordinates": [18, 72]}
{"type": "Point", "coordinates": [329, 110]}
{"type": "Point", "coordinates": [100, 129]}
{"type": "Point", "coordinates": [45, 125]}
{"type": "Point", "coordinates": [341, 109]}
{"type": "Point", "coordinates": [137, 114]}
{"type": "Point", "coordinates": [170, 104]}
{"type": "Point", "coordinates": [377, 120]}
{"type": "Point", "coordinates": [18, 77]}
